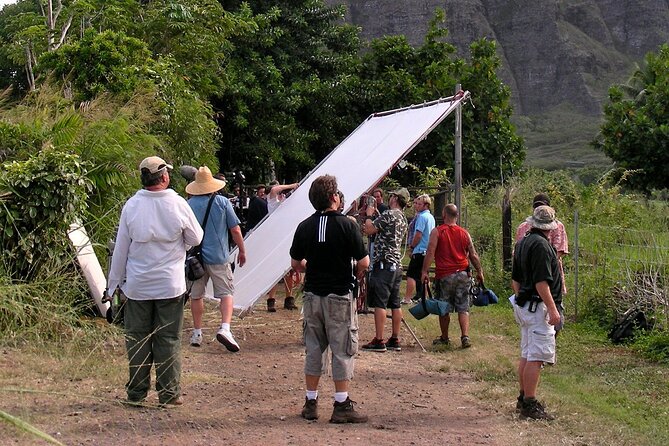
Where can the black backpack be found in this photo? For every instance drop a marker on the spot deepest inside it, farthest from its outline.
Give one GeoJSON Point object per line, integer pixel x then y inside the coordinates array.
{"type": "Point", "coordinates": [632, 320]}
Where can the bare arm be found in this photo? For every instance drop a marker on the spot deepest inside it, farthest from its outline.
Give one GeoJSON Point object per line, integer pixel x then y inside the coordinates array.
{"type": "Point", "coordinates": [361, 266]}
{"type": "Point", "coordinates": [429, 256]}
{"type": "Point", "coordinates": [298, 265]}
{"type": "Point", "coordinates": [276, 190]}
{"type": "Point", "coordinates": [474, 259]}
{"type": "Point", "coordinates": [515, 286]}
{"type": "Point", "coordinates": [545, 293]}
{"type": "Point", "coordinates": [415, 241]}
{"type": "Point", "coordinates": [239, 241]}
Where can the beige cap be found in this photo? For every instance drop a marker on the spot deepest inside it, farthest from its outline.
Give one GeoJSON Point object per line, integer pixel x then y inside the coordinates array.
{"type": "Point", "coordinates": [154, 164]}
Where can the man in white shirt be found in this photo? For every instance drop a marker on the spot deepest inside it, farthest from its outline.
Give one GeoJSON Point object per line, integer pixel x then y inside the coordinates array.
{"type": "Point", "coordinates": [155, 229]}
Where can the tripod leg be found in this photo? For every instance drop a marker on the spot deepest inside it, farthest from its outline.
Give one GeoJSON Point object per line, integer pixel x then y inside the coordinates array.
{"type": "Point", "coordinates": [406, 325]}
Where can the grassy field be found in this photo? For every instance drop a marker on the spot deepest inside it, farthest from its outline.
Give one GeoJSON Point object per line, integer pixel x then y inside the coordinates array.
{"type": "Point", "coordinates": [561, 139]}
{"type": "Point", "coordinates": [602, 394]}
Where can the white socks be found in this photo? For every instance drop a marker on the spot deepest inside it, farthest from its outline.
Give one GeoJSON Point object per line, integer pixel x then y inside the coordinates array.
{"type": "Point", "coordinates": [340, 397]}
{"type": "Point", "coordinates": [197, 331]}
{"type": "Point", "coordinates": [225, 326]}
{"type": "Point", "coordinates": [312, 394]}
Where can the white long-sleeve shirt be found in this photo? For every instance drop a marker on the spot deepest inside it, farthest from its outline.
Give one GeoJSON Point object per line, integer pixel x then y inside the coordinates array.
{"type": "Point", "coordinates": [155, 229]}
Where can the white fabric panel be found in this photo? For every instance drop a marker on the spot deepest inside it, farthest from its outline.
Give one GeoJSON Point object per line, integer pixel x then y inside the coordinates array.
{"type": "Point", "coordinates": [364, 158]}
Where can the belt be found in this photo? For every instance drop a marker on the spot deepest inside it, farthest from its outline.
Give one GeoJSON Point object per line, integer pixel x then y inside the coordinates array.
{"type": "Point", "coordinates": [387, 266]}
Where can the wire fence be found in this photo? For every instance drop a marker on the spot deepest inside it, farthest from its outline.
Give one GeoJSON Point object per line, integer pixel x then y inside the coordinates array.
{"type": "Point", "coordinates": [628, 267]}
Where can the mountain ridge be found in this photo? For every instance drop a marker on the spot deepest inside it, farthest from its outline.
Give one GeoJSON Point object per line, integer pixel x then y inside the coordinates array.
{"type": "Point", "coordinates": [557, 54]}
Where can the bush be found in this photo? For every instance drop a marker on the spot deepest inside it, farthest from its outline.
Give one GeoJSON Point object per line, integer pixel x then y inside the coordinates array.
{"type": "Point", "coordinates": [41, 197]}
{"type": "Point", "coordinates": [654, 346]}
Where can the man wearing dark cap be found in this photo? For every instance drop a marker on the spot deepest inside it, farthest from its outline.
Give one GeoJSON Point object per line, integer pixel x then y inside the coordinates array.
{"type": "Point", "coordinates": [390, 229]}
{"type": "Point", "coordinates": [537, 284]}
{"type": "Point", "coordinates": [148, 266]}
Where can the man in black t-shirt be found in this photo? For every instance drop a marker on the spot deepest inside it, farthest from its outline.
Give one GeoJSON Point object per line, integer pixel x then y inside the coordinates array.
{"type": "Point", "coordinates": [324, 246]}
{"type": "Point", "coordinates": [537, 284]}
{"type": "Point", "coordinates": [257, 208]}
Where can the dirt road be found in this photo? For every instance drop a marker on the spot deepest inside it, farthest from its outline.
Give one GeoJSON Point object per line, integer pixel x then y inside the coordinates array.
{"type": "Point", "coordinates": [254, 397]}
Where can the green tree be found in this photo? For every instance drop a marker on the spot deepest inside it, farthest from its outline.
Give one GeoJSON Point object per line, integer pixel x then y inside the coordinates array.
{"type": "Point", "coordinates": [635, 132]}
{"type": "Point", "coordinates": [395, 74]}
{"type": "Point", "coordinates": [287, 100]}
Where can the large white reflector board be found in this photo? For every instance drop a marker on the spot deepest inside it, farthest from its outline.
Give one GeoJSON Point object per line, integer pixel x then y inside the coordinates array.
{"type": "Point", "coordinates": [359, 162]}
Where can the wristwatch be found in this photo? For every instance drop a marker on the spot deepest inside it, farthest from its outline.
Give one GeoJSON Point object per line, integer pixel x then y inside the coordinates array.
{"type": "Point", "coordinates": [369, 217]}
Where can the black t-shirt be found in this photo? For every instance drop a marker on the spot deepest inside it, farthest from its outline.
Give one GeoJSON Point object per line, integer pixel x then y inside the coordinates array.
{"type": "Point", "coordinates": [257, 210]}
{"type": "Point", "coordinates": [535, 260]}
{"type": "Point", "coordinates": [328, 241]}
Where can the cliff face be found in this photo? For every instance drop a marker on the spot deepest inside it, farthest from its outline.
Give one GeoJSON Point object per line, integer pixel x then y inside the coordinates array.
{"type": "Point", "coordinates": [553, 52]}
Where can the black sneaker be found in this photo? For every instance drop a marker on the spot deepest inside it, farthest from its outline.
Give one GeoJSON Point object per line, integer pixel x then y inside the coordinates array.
{"type": "Point", "coordinates": [466, 343]}
{"type": "Point", "coordinates": [534, 410]}
{"type": "Point", "coordinates": [519, 404]}
{"type": "Point", "coordinates": [377, 345]}
{"type": "Point", "coordinates": [289, 303]}
{"type": "Point", "coordinates": [310, 409]}
{"type": "Point", "coordinates": [440, 341]}
{"type": "Point", "coordinates": [271, 305]}
{"type": "Point", "coordinates": [393, 344]}
{"type": "Point", "coordinates": [345, 413]}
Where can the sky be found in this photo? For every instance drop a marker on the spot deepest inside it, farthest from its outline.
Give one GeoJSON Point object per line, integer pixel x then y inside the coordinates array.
{"type": "Point", "coordinates": [6, 2]}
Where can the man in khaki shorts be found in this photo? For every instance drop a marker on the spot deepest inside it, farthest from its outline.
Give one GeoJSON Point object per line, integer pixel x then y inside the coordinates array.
{"type": "Point", "coordinates": [537, 284]}
{"type": "Point", "coordinates": [220, 219]}
{"type": "Point", "coordinates": [324, 246]}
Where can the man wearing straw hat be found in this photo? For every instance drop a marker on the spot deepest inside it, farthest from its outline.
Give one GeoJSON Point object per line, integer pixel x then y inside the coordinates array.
{"type": "Point", "coordinates": [148, 265]}
{"type": "Point", "coordinates": [215, 254]}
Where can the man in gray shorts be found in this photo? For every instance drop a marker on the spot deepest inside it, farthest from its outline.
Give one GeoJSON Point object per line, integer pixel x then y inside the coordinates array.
{"type": "Point", "coordinates": [452, 250]}
{"type": "Point", "coordinates": [324, 246]}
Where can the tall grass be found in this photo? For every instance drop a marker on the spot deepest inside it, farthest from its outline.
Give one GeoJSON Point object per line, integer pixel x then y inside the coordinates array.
{"type": "Point", "coordinates": [46, 310]}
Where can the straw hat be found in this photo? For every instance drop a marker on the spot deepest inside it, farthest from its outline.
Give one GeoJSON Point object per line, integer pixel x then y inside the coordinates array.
{"type": "Point", "coordinates": [204, 183]}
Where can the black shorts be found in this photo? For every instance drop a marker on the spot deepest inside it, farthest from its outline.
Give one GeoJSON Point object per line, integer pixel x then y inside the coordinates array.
{"type": "Point", "coordinates": [416, 267]}
{"type": "Point", "coordinates": [383, 290]}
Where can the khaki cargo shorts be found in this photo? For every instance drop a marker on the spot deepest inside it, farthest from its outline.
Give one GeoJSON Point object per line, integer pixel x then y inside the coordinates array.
{"type": "Point", "coordinates": [330, 321]}
{"type": "Point", "coordinates": [221, 277]}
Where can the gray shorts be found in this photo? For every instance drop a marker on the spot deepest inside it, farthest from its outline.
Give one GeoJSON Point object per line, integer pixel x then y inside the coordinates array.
{"type": "Point", "coordinates": [330, 321]}
{"type": "Point", "coordinates": [221, 277]}
{"type": "Point", "coordinates": [454, 289]}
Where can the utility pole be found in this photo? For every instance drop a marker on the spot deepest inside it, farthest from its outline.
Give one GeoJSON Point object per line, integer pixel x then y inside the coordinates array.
{"type": "Point", "coordinates": [458, 152]}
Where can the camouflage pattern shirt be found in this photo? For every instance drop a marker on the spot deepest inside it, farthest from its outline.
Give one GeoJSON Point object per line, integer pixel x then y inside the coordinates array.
{"type": "Point", "coordinates": [392, 227]}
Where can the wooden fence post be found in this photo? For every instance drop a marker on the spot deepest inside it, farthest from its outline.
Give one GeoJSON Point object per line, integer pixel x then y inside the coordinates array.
{"type": "Point", "coordinates": [506, 231]}
{"type": "Point", "coordinates": [576, 264]}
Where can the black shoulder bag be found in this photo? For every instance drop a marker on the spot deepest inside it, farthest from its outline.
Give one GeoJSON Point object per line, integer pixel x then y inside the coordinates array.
{"type": "Point", "coordinates": [194, 267]}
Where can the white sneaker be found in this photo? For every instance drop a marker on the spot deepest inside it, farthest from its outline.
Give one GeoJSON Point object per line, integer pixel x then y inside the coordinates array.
{"type": "Point", "coordinates": [225, 337]}
{"type": "Point", "coordinates": [196, 339]}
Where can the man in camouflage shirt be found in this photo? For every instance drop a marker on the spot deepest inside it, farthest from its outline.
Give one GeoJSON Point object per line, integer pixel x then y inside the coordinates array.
{"type": "Point", "coordinates": [383, 290]}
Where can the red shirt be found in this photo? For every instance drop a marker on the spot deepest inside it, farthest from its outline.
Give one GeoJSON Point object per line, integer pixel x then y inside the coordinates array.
{"type": "Point", "coordinates": [452, 253]}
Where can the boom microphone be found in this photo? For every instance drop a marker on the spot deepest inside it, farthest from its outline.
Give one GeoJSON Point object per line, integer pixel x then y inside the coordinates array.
{"type": "Point", "coordinates": [188, 172]}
